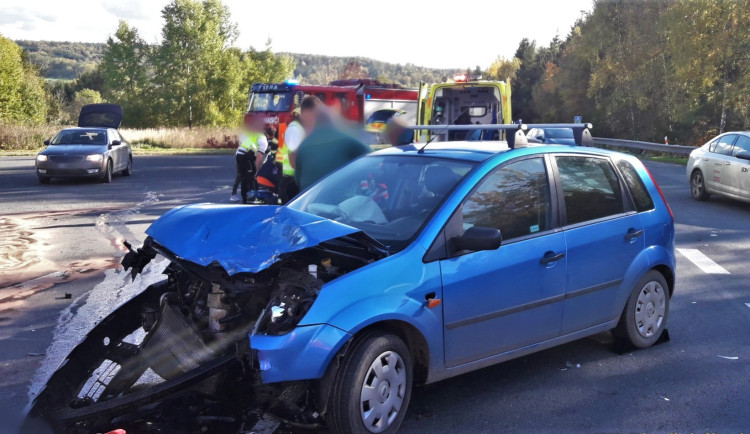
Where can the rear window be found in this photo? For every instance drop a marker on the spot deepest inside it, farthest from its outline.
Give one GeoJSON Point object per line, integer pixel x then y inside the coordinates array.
{"type": "Point", "coordinates": [638, 191]}
{"type": "Point", "coordinates": [591, 188]}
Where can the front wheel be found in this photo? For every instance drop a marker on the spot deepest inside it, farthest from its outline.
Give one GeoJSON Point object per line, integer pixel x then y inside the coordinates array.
{"type": "Point", "coordinates": [645, 315]}
{"type": "Point", "coordinates": [107, 178]}
{"type": "Point", "coordinates": [698, 186]}
{"type": "Point", "coordinates": [372, 388]}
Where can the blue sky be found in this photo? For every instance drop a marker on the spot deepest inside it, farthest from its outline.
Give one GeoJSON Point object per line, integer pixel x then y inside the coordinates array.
{"type": "Point", "coordinates": [439, 34]}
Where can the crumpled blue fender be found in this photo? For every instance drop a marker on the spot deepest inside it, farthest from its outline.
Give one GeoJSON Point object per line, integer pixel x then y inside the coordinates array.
{"type": "Point", "coordinates": [242, 239]}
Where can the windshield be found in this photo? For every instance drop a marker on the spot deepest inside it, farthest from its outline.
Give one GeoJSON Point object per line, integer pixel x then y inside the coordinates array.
{"type": "Point", "coordinates": [389, 197]}
{"type": "Point", "coordinates": [271, 102]}
{"type": "Point", "coordinates": [559, 133]}
{"type": "Point", "coordinates": [80, 137]}
{"type": "Point", "coordinates": [382, 115]}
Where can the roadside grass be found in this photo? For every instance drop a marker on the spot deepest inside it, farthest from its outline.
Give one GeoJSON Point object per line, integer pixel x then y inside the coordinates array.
{"type": "Point", "coordinates": [23, 140]}
{"type": "Point", "coordinates": [662, 157]}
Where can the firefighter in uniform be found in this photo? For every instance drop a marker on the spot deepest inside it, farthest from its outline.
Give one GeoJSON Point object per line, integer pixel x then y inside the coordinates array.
{"type": "Point", "coordinates": [249, 156]}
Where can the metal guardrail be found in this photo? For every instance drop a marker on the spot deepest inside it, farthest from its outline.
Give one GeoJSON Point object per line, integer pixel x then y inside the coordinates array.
{"type": "Point", "coordinates": [648, 146]}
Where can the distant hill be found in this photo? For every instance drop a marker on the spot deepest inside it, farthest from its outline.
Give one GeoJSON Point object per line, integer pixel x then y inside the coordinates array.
{"type": "Point", "coordinates": [319, 69]}
{"type": "Point", "coordinates": [68, 60]}
{"type": "Point", "coordinates": [63, 60]}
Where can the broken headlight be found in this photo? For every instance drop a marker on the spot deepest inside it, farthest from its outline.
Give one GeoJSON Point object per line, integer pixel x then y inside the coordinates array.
{"type": "Point", "coordinates": [290, 302]}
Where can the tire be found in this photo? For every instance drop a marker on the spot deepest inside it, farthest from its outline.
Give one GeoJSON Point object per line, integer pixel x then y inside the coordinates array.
{"type": "Point", "coordinates": [129, 169]}
{"type": "Point", "coordinates": [44, 179]}
{"type": "Point", "coordinates": [354, 410]}
{"type": "Point", "coordinates": [698, 186]}
{"type": "Point", "coordinates": [645, 315]}
{"type": "Point", "coordinates": [107, 178]}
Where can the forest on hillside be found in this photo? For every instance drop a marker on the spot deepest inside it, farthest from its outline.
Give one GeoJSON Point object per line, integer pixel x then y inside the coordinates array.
{"type": "Point", "coordinates": [63, 60]}
{"type": "Point", "coordinates": [68, 60]}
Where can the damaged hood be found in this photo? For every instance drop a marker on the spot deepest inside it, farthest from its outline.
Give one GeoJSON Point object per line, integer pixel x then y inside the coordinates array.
{"type": "Point", "coordinates": [242, 239]}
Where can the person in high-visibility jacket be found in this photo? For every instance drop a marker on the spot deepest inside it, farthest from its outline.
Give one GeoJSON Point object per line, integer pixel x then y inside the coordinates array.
{"type": "Point", "coordinates": [249, 156]}
{"type": "Point", "coordinates": [296, 131]}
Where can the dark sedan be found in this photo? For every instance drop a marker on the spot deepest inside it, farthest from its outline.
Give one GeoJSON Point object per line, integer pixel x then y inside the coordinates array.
{"type": "Point", "coordinates": [551, 136]}
{"type": "Point", "coordinates": [93, 149]}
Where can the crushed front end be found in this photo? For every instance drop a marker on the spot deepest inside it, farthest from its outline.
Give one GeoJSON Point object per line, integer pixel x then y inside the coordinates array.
{"type": "Point", "coordinates": [222, 327]}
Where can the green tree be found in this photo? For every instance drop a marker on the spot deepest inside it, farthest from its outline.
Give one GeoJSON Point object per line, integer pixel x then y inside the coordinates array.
{"type": "Point", "coordinates": [125, 76]}
{"type": "Point", "coordinates": [189, 62]}
{"type": "Point", "coordinates": [710, 46]}
{"type": "Point", "coordinates": [503, 69]}
{"type": "Point", "coordinates": [23, 97]}
{"type": "Point", "coordinates": [82, 97]}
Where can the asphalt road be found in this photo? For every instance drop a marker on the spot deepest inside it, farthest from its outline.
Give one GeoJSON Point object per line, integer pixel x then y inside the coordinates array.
{"type": "Point", "coordinates": [697, 382]}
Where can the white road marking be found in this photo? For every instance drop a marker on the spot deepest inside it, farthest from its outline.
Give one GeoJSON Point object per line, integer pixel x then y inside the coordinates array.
{"type": "Point", "coordinates": [702, 261]}
{"type": "Point", "coordinates": [747, 304]}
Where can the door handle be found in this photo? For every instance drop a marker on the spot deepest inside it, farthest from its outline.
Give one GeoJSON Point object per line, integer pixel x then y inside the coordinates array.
{"type": "Point", "coordinates": [632, 234]}
{"type": "Point", "coordinates": [551, 257]}
{"type": "Point", "coordinates": [727, 163]}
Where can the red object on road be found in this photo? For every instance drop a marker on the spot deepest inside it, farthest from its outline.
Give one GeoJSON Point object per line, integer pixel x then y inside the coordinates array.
{"type": "Point", "coordinates": [117, 431]}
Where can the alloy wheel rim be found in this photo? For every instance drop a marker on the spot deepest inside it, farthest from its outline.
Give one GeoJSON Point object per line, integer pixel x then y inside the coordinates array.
{"type": "Point", "coordinates": [650, 309]}
{"type": "Point", "coordinates": [383, 392]}
{"type": "Point", "coordinates": [697, 185]}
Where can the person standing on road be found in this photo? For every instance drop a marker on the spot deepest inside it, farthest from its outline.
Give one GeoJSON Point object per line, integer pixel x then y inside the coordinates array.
{"type": "Point", "coordinates": [326, 149]}
{"type": "Point", "coordinates": [249, 156]}
{"type": "Point", "coordinates": [301, 126]}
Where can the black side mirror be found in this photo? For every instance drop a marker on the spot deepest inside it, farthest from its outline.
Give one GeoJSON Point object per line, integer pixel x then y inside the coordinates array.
{"type": "Point", "coordinates": [743, 155]}
{"type": "Point", "coordinates": [478, 238]}
{"type": "Point", "coordinates": [46, 143]}
{"type": "Point", "coordinates": [116, 143]}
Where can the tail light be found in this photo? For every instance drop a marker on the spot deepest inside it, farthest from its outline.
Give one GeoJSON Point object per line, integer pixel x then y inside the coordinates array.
{"type": "Point", "coordinates": [671, 214]}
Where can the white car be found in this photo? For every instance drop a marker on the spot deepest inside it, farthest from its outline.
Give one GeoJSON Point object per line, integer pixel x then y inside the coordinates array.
{"type": "Point", "coordinates": [721, 166]}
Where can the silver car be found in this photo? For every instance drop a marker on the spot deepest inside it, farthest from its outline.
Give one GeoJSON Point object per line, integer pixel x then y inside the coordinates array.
{"type": "Point", "coordinates": [93, 149]}
{"type": "Point", "coordinates": [721, 166]}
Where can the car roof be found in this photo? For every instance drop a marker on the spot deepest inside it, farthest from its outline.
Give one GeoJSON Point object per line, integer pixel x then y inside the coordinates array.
{"type": "Point", "coordinates": [479, 151]}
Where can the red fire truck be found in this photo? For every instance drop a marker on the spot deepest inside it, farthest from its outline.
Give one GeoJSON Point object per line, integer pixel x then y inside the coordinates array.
{"type": "Point", "coordinates": [357, 100]}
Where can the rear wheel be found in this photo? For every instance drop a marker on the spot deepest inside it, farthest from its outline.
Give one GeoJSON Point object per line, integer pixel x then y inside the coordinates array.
{"type": "Point", "coordinates": [129, 170]}
{"type": "Point", "coordinates": [698, 186]}
{"type": "Point", "coordinates": [645, 315]}
{"type": "Point", "coordinates": [372, 388]}
{"type": "Point", "coordinates": [44, 179]}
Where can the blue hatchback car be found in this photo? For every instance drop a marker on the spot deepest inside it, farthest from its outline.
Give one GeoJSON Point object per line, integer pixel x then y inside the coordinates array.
{"type": "Point", "coordinates": [407, 266]}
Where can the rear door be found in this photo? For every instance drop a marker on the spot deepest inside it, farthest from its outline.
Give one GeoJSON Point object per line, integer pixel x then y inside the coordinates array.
{"type": "Point", "coordinates": [499, 300]}
{"type": "Point", "coordinates": [603, 236]}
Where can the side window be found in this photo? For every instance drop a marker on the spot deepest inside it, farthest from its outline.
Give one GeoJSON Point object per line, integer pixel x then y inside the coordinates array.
{"type": "Point", "coordinates": [638, 191]}
{"type": "Point", "coordinates": [712, 146]}
{"type": "Point", "coordinates": [590, 187]}
{"type": "Point", "coordinates": [724, 145]}
{"type": "Point", "coordinates": [514, 199]}
{"type": "Point", "coordinates": [743, 144]}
